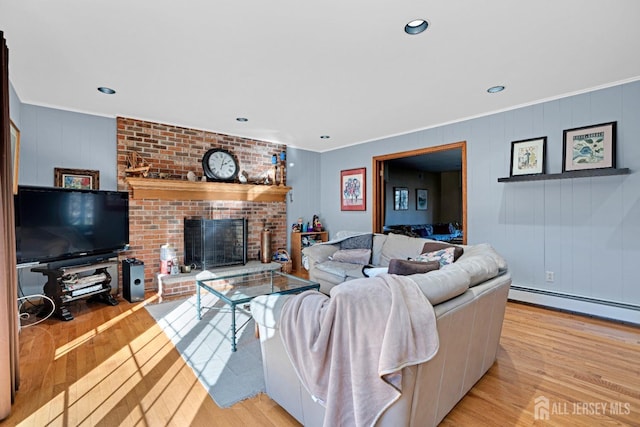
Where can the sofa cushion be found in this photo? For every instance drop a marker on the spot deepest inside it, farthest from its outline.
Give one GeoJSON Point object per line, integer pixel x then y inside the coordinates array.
{"type": "Point", "coordinates": [376, 247]}
{"type": "Point", "coordinates": [432, 245]}
{"type": "Point", "coordinates": [341, 269]}
{"type": "Point", "coordinates": [362, 241]}
{"type": "Point", "coordinates": [479, 267]}
{"type": "Point", "coordinates": [320, 252]}
{"type": "Point", "coordinates": [485, 249]}
{"type": "Point", "coordinates": [401, 247]}
{"type": "Point", "coordinates": [352, 256]}
{"type": "Point", "coordinates": [443, 284]}
{"type": "Point", "coordinates": [405, 267]}
{"type": "Point", "coordinates": [443, 256]}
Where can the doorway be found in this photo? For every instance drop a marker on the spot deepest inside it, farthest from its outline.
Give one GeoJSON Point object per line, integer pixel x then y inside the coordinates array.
{"type": "Point", "coordinates": [424, 157]}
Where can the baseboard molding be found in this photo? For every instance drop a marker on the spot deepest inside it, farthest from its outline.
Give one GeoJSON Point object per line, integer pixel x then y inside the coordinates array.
{"type": "Point", "coordinates": [606, 309]}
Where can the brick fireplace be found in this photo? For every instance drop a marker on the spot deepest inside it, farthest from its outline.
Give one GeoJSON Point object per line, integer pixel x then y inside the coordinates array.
{"type": "Point", "coordinates": [173, 152]}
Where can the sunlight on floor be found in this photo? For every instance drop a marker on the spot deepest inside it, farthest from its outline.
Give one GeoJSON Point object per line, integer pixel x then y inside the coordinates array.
{"type": "Point", "coordinates": [113, 393]}
{"type": "Point", "coordinates": [61, 351]}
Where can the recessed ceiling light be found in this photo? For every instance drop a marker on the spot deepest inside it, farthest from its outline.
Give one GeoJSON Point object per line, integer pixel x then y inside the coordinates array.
{"type": "Point", "coordinates": [416, 26]}
{"type": "Point", "coordinates": [242, 119]}
{"type": "Point", "coordinates": [324, 137]}
{"type": "Point", "coordinates": [106, 90]}
{"type": "Point", "coordinates": [495, 89]}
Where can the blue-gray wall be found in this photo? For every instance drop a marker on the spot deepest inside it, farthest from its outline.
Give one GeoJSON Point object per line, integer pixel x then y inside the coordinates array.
{"type": "Point", "coordinates": [53, 138]}
{"type": "Point", "coordinates": [303, 175]}
{"type": "Point", "coordinates": [586, 231]}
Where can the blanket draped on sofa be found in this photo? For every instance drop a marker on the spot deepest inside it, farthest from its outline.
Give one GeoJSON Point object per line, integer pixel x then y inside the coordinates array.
{"type": "Point", "coordinates": [349, 349]}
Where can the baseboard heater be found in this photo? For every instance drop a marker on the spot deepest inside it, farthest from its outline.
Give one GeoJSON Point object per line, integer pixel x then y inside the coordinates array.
{"type": "Point", "coordinates": [607, 309]}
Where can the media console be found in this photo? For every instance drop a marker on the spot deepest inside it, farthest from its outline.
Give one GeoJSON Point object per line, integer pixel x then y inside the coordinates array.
{"type": "Point", "coordinates": [72, 282]}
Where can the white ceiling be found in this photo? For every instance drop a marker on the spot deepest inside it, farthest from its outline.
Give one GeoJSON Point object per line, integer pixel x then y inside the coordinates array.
{"type": "Point", "coordinates": [300, 69]}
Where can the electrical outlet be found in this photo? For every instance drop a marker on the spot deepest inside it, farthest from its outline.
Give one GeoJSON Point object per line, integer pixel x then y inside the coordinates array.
{"type": "Point", "coordinates": [548, 276]}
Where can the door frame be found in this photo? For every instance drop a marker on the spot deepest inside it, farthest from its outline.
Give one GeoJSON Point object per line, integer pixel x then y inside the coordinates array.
{"type": "Point", "coordinates": [378, 181]}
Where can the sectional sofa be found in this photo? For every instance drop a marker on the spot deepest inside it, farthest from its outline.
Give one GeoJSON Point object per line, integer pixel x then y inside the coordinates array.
{"type": "Point", "coordinates": [468, 297]}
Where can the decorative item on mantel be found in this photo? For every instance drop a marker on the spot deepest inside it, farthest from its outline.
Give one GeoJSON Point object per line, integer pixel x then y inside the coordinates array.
{"type": "Point", "coordinates": [283, 157]}
{"type": "Point", "coordinates": [278, 162]}
{"type": "Point", "coordinates": [136, 165]}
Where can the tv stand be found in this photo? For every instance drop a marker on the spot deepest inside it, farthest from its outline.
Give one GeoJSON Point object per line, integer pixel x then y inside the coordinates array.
{"type": "Point", "coordinates": [67, 283]}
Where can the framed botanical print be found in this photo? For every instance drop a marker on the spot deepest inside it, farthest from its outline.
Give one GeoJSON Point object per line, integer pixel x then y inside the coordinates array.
{"type": "Point", "coordinates": [353, 191]}
{"type": "Point", "coordinates": [591, 147]}
{"type": "Point", "coordinates": [528, 157]}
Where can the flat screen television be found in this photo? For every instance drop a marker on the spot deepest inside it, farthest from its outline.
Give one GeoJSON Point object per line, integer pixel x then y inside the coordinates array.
{"type": "Point", "coordinates": [54, 224]}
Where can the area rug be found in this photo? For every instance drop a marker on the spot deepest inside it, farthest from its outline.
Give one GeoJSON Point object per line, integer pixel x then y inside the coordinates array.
{"type": "Point", "coordinates": [205, 345]}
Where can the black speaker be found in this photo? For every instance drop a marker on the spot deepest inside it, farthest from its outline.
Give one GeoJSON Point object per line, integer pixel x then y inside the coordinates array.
{"type": "Point", "coordinates": [133, 280]}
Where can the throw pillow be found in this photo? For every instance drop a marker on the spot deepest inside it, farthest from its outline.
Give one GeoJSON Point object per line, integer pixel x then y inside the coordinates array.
{"type": "Point", "coordinates": [443, 256]}
{"type": "Point", "coordinates": [435, 246]}
{"type": "Point", "coordinates": [362, 241]}
{"type": "Point", "coordinates": [404, 267]}
{"type": "Point", "coordinates": [352, 256]}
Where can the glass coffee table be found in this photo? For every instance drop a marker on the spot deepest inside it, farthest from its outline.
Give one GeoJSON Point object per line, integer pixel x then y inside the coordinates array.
{"type": "Point", "coordinates": [236, 290]}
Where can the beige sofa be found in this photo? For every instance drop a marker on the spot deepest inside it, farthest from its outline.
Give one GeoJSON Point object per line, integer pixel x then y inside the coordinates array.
{"type": "Point", "coordinates": [469, 299]}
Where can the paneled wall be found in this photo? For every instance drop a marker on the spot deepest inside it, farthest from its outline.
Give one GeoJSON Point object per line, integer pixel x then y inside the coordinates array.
{"type": "Point", "coordinates": [51, 138]}
{"type": "Point", "coordinates": [586, 231]}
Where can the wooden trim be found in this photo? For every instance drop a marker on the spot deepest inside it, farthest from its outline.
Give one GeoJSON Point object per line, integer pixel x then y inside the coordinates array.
{"type": "Point", "coordinates": [378, 183]}
{"type": "Point", "coordinates": [165, 189]}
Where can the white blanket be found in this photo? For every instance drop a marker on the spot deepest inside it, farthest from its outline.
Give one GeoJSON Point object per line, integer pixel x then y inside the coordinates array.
{"type": "Point", "coordinates": [349, 349]}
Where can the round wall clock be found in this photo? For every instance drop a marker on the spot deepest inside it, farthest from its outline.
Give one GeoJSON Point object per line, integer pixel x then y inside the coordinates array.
{"type": "Point", "coordinates": [220, 165]}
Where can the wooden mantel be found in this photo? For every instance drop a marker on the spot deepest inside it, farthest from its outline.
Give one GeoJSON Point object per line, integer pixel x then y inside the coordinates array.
{"type": "Point", "coordinates": [167, 189]}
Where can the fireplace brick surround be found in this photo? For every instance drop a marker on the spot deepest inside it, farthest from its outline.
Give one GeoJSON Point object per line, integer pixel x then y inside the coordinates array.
{"type": "Point", "coordinates": [175, 151]}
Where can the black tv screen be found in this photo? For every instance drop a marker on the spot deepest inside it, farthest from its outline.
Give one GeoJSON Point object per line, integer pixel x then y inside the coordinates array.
{"type": "Point", "coordinates": [56, 224]}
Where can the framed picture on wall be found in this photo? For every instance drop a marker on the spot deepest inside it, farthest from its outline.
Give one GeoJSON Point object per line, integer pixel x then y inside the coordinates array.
{"type": "Point", "coordinates": [528, 157]}
{"type": "Point", "coordinates": [81, 179]}
{"type": "Point", "coordinates": [591, 147]}
{"type": "Point", "coordinates": [421, 199]}
{"type": "Point", "coordinates": [400, 198]}
{"type": "Point", "coordinates": [353, 190]}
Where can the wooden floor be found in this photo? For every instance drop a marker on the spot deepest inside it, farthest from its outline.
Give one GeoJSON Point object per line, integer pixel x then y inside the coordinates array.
{"type": "Point", "coordinates": [113, 366]}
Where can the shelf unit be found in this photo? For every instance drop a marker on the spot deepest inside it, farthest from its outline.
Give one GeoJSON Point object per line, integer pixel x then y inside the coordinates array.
{"type": "Point", "coordinates": [587, 173]}
{"type": "Point", "coordinates": [297, 245]}
{"type": "Point", "coordinates": [62, 290]}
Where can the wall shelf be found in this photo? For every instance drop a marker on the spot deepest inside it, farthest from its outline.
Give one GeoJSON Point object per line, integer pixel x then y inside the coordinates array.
{"type": "Point", "coordinates": [167, 189]}
{"type": "Point", "coordinates": [566, 175]}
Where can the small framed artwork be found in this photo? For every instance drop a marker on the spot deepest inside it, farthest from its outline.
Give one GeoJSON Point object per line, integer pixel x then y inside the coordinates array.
{"type": "Point", "coordinates": [528, 157]}
{"type": "Point", "coordinates": [80, 179]}
{"type": "Point", "coordinates": [353, 190]}
{"type": "Point", "coordinates": [15, 153]}
{"type": "Point", "coordinates": [591, 147]}
{"type": "Point", "coordinates": [421, 199]}
{"type": "Point", "coordinates": [400, 198]}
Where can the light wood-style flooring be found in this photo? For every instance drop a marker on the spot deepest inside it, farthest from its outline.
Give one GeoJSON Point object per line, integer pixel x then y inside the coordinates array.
{"type": "Point", "coordinates": [113, 366]}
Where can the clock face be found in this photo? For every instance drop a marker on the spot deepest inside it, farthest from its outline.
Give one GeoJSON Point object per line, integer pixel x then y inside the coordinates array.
{"type": "Point", "coordinates": [219, 164]}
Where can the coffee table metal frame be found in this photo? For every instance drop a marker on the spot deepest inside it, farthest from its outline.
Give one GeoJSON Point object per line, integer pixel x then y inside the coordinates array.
{"type": "Point", "coordinates": [300, 285]}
